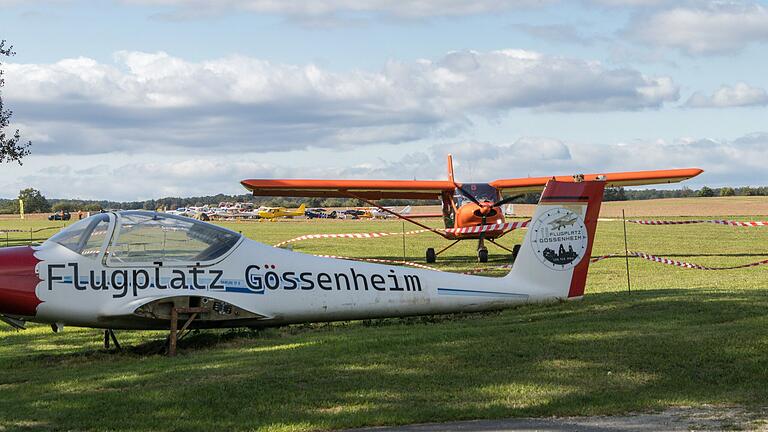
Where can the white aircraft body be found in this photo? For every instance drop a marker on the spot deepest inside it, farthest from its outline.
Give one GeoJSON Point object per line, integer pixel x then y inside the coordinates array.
{"type": "Point", "coordinates": [381, 214]}
{"type": "Point", "coordinates": [129, 269]}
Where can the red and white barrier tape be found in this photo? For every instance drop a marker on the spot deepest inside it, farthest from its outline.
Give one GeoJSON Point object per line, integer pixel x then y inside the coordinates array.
{"type": "Point", "coordinates": [685, 222]}
{"type": "Point", "coordinates": [507, 226]}
{"type": "Point", "coordinates": [683, 264]}
{"type": "Point", "coordinates": [642, 255]}
{"type": "Point", "coordinates": [602, 257]}
{"type": "Point", "coordinates": [381, 261]}
{"type": "Point", "coordinates": [5, 231]}
{"type": "Point", "coordinates": [348, 235]}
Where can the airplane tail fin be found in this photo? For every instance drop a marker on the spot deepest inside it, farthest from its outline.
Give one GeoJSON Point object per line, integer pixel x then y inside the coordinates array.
{"type": "Point", "coordinates": [301, 208]}
{"type": "Point", "coordinates": [555, 253]}
{"type": "Point", "coordinates": [406, 210]}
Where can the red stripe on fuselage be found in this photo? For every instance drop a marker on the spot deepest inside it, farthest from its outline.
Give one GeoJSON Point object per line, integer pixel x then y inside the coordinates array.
{"type": "Point", "coordinates": [18, 281]}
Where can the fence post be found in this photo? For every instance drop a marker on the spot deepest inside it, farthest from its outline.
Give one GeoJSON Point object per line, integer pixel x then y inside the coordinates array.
{"type": "Point", "coordinates": [626, 250]}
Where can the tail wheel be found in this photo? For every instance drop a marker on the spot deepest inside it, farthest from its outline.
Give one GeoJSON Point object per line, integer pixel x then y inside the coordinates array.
{"type": "Point", "coordinates": [482, 255]}
{"type": "Point", "coordinates": [431, 256]}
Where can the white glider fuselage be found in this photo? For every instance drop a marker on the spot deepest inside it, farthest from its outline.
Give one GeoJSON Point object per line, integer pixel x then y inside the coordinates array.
{"type": "Point", "coordinates": [126, 270]}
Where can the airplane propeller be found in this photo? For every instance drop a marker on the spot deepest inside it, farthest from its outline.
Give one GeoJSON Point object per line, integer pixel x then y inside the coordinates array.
{"type": "Point", "coordinates": [486, 209]}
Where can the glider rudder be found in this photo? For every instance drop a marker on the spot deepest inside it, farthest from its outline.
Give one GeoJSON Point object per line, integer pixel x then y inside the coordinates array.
{"type": "Point", "coordinates": [554, 256]}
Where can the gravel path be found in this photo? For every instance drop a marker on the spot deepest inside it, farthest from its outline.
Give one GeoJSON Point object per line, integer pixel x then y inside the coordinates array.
{"type": "Point", "coordinates": [706, 418]}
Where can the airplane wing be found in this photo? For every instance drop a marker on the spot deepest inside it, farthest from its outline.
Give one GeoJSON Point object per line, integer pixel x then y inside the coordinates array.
{"type": "Point", "coordinates": [631, 178]}
{"type": "Point", "coordinates": [432, 189]}
{"type": "Point", "coordinates": [368, 189]}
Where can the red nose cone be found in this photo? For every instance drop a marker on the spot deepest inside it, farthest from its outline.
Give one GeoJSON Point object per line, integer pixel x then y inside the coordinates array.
{"type": "Point", "coordinates": [18, 281]}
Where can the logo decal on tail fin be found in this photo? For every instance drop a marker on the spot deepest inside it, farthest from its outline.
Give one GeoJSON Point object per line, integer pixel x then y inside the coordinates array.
{"type": "Point", "coordinates": [559, 239]}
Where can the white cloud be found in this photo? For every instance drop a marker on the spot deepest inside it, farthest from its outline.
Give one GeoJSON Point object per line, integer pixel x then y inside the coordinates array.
{"type": "Point", "coordinates": [726, 162]}
{"type": "Point", "coordinates": [192, 177]}
{"type": "Point", "coordinates": [633, 3]}
{"type": "Point", "coordinates": [709, 28]}
{"type": "Point", "coordinates": [234, 104]}
{"type": "Point", "coordinates": [298, 8]}
{"type": "Point", "coordinates": [739, 95]}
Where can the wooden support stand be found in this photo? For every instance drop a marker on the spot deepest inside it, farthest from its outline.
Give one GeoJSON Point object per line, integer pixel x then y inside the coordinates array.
{"type": "Point", "coordinates": [109, 334]}
{"type": "Point", "coordinates": [177, 334]}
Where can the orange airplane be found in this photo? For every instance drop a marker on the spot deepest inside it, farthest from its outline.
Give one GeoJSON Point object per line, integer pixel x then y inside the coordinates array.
{"type": "Point", "coordinates": [470, 210]}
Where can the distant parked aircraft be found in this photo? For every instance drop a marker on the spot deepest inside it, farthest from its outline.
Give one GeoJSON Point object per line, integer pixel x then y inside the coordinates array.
{"type": "Point", "coordinates": [278, 212]}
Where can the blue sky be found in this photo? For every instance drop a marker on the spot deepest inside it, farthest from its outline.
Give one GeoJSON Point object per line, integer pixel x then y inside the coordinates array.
{"type": "Point", "coordinates": [140, 99]}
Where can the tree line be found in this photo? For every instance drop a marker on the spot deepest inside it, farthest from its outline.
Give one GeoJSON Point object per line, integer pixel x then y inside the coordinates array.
{"type": "Point", "coordinates": [36, 202]}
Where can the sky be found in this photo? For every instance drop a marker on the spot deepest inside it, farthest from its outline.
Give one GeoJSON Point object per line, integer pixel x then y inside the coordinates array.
{"type": "Point", "coordinates": [140, 99]}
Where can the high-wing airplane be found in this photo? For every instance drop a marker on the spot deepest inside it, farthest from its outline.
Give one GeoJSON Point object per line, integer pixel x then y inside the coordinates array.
{"type": "Point", "coordinates": [143, 269]}
{"type": "Point", "coordinates": [278, 212]}
{"type": "Point", "coordinates": [470, 210]}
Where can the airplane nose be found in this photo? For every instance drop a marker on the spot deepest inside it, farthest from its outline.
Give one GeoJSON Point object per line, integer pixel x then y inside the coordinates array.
{"type": "Point", "coordinates": [18, 281]}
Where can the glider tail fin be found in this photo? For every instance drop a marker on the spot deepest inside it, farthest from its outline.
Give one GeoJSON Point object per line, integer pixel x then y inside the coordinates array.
{"type": "Point", "coordinates": [555, 253]}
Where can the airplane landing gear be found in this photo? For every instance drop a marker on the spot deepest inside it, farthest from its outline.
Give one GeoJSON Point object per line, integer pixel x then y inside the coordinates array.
{"type": "Point", "coordinates": [482, 251]}
{"type": "Point", "coordinates": [482, 255]}
{"type": "Point", "coordinates": [432, 255]}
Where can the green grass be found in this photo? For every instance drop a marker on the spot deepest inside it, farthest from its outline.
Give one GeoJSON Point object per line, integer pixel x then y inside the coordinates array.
{"type": "Point", "coordinates": [15, 232]}
{"type": "Point", "coordinates": [682, 337]}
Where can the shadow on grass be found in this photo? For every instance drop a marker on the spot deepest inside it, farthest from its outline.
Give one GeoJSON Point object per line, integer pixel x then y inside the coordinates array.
{"type": "Point", "coordinates": [612, 353]}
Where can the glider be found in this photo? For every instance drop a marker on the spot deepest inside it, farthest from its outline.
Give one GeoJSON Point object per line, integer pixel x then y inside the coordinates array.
{"type": "Point", "coordinates": [146, 270]}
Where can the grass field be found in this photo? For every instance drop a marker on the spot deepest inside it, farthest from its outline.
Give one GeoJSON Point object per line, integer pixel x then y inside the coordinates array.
{"type": "Point", "coordinates": [682, 337]}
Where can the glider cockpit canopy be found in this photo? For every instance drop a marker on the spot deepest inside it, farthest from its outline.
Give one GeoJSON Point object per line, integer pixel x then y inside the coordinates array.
{"type": "Point", "coordinates": [136, 237]}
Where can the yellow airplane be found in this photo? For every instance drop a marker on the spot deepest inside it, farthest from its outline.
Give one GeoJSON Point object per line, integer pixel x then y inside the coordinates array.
{"type": "Point", "coordinates": [278, 212]}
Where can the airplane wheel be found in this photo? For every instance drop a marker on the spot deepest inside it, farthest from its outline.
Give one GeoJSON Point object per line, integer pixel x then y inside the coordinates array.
{"type": "Point", "coordinates": [431, 257]}
{"type": "Point", "coordinates": [482, 255]}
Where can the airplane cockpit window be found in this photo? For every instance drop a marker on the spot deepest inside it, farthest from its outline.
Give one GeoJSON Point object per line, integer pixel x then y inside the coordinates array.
{"type": "Point", "coordinates": [147, 237]}
{"type": "Point", "coordinates": [481, 192]}
{"type": "Point", "coordinates": [85, 237]}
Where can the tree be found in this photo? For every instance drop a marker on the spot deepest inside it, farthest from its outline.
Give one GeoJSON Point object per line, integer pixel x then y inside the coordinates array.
{"type": "Point", "coordinates": [64, 205]}
{"type": "Point", "coordinates": [34, 201]}
{"type": "Point", "coordinates": [149, 205]}
{"type": "Point", "coordinates": [93, 207]}
{"type": "Point", "coordinates": [727, 191]}
{"type": "Point", "coordinates": [706, 192]}
{"type": "Point", "coordinates": [614, 194]}
{"type": "Point", "coordinates": [11, 147]}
